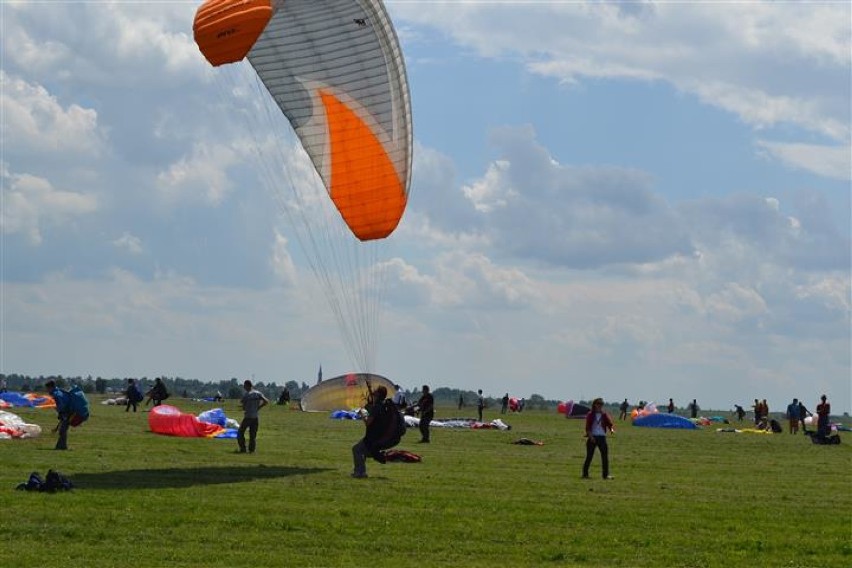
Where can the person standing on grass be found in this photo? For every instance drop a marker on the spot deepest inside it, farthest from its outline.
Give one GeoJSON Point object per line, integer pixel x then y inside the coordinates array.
{"type": "Point", "coordinates": [823, 410]}
{"type": "Point", "coordinates": [63, 412]}
{"type": "Point", "coordinates": [793, 416]}
{"type": "Point", "coordinates": [251, 403]}
{"type": "Point", "coordinates": [133, 395]}
{"type": "Point", "coordinates": [426, 404]}
{"type": "Point", "coordinates": [622, 410]}
{"type": "Point", "coordinates": [693, 408]}
{"type": "Point", "coordinates": [598, 424]}
{"type": "Point", "coordinates": [670, 407]}
{"type": "Point", "coordinates": [480, 404]}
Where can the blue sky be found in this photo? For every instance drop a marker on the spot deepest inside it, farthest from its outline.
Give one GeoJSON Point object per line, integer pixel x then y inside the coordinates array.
{"type": "Point", "coordinates": [622, 200]}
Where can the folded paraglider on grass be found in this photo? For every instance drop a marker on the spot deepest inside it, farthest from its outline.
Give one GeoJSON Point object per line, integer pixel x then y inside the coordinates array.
{"type": "Point", "coordinates": [170, 421]}
{"type": "Point", "coordinates": [13, 426]}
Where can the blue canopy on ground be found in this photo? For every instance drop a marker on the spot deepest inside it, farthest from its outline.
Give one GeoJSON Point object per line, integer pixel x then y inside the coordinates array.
{"type": "Point", "coordinates": [19, 399]}
{"type": "Point", "coordinates": [664, 420]}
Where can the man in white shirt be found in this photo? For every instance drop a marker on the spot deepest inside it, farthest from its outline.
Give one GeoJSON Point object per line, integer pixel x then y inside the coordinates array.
{"type": "Point", "coordinates": [251, 402]}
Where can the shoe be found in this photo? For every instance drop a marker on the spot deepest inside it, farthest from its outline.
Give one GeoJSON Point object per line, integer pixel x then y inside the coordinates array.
{"type": "Point", "coordinates": [358, 475]}
{"type": "Point", "coordinates": [239, 451]}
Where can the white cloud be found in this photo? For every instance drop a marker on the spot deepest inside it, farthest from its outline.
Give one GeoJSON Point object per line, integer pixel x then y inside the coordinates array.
{"type": "Point", "coordinates": [829, 161]}
{"type": "Point", "coordinates": [532, 206]}
{"type": "Point", "coordinates": [282, 262]}
{"type": "Point", "coordinates": [834, 292]}
{"type": "Point", "coordinates": [736, 302]}
{"type": "Point", "coordinates": [200, 176]}
{"type": "Point", "coordinates": [35, 121]}
{"type": "Point", "coordinates": [748, 58]}
{"type": "Point", "coordinates": [31, 202]}
{"type": "Point", "coordinates": [461, 280]}
{"type": "Point", "coordinates": [124, 42]}
{"type": "Point", "coordinates": [129, 242]}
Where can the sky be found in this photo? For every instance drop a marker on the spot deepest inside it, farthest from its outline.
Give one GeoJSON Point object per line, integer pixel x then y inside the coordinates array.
{"type": "Point", "coordinates": [628, 200]}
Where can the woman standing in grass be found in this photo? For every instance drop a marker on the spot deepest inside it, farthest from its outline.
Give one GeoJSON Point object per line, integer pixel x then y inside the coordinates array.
{"type": "Point", "coordinates": [598, 423]}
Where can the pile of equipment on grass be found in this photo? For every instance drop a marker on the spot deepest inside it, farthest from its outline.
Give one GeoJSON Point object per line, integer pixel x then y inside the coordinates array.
{"type": "Point", "coordinates": [823, 440]}
{"type": "Point", "coordinates": [52, 482]}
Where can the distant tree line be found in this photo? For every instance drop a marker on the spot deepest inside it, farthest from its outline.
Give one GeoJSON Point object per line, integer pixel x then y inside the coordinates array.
{"type": "Point", "coordinates": [233, 388]}
{"type": "Point", "coordinates": [177, 386]}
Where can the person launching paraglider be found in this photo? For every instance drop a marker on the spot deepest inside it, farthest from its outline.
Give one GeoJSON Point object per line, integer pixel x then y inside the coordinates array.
{"type": "Point", "coordinates": [371, 415]}
{"type": "Point", "coordinates": [158, 393]}
{"type": "Point", "coordinates": [598, 423]}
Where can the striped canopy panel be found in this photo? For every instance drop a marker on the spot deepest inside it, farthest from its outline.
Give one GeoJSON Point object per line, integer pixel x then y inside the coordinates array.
{"type": "Point", "coordinates": [336, 70]}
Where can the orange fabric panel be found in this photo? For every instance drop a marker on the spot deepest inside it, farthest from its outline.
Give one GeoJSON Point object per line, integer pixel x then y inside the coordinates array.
{"type": "Point", "coordinates": [365, 185]}
{"type": "Point", "coordinates": [225, 30]}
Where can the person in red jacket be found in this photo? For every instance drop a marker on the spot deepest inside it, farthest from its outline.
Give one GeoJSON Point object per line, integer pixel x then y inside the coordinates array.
{"type": "Point", "coordinates": [598, 423]}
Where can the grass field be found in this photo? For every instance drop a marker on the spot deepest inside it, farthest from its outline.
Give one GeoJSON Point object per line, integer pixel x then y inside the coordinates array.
{"type": "Point", "coordinates": [679, 498]}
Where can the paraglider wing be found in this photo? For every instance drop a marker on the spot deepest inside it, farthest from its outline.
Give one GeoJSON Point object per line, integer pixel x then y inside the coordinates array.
{"type": "Point", "coordinates": [343, 393]}
{"type": "Point", "coordinates": [170, 421]}
{"type": "Point", "coordinates": [330, 72]}
{"type": "Point", "coordinates": [664, 420]}
{"type": "Point", "coordinates": [335, 68]}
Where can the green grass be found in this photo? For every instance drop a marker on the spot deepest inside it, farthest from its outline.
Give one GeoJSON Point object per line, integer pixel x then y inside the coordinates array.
{"type": "Point", "coordinates": [680, 498]}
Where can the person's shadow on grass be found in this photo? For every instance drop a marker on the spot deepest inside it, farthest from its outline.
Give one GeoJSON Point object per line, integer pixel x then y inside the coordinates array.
{"type": "Point", "coordinates": [184, 477]}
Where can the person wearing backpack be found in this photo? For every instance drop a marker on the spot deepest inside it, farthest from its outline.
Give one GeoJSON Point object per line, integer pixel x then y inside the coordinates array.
{"type": "Point", "coordinates": [374, 419]}
{"type": "Point", "coordinates": [133, 395]}
{"type": "Point", "coordinates": [158, 393]}
{"type": "Point", "coordinates": [63, 411]}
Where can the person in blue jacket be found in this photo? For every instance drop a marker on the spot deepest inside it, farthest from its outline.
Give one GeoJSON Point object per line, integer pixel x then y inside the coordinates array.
{"type": "Point", "coordinates": [63, 411]}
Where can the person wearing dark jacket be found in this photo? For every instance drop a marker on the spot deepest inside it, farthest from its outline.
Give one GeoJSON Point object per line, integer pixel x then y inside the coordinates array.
{"type": "Point", "coordinates": [373, 421]}
{"type": "Point", "coordinates": [63, 411]}
{"type": "Point", "coordinates": [133, 395]}
{"type": "Point", "coordinates": [157, 393]}
{"type": "Point", "coordinates": [598, 424]}
{"type": "Point", "coordinates": [426, 404]}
